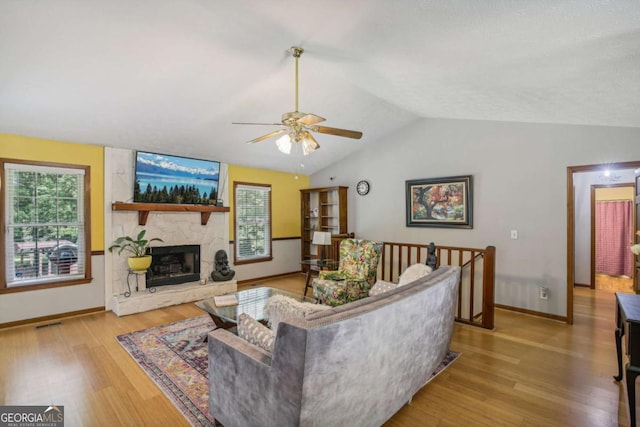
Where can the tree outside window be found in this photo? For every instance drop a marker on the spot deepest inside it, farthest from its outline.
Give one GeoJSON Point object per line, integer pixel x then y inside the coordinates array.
{"type": "Point", "coordinates": [46, 233]}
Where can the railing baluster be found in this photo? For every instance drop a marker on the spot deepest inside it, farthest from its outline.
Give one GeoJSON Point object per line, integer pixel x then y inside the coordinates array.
{"type": "Point", "coordinates": [383, 258]}
{"type": "Point", "coordinates": [391, 261]}
{"type": "Point", "coordinates": [399, 260]}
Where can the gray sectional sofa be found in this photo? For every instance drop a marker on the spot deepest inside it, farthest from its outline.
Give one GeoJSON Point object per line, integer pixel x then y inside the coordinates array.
{"type": "Point", "coordinates": [353, 365]}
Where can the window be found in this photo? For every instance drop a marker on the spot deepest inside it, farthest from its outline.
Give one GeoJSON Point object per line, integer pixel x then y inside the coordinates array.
{"type": "Point", "coordinates": [45, 225]}
{"type": "Point", "coordinates": [252, 222]}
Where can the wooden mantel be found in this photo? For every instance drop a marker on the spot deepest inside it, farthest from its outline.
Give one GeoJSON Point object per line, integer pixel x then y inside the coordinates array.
{"type": "Point", "coordinates": [144, 209]}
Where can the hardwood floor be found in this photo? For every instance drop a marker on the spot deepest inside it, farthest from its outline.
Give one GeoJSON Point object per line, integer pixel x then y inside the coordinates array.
{"type": "Point", "coordinates": [614, 283]}
{"type": "Point", "coordinates": [529, 371]}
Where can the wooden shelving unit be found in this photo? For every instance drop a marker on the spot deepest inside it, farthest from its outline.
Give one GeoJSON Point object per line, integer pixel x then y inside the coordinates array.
{"type": "Point", "coordinates": [143, 210]}
{"type": "Point", "coordinates": [321, 209]}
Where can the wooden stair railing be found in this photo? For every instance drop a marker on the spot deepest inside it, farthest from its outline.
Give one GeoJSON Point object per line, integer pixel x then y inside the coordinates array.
{"type": "Point", "coordinates": [475, 303]}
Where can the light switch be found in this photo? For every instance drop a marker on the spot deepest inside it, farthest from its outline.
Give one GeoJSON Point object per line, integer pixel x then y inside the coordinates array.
{"type": "Point", "coordinates": [514, 234]}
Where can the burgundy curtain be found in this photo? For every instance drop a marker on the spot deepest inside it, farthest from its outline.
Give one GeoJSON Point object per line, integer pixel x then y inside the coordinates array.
{"type": "Point", "coordinates": [614, 233]}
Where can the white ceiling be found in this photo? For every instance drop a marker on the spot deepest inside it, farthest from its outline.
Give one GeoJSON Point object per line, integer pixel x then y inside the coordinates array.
{"type": "Point", "coordinates": [170, 76]}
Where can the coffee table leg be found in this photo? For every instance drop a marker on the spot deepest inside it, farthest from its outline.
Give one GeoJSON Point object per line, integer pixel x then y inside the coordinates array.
{"type": "Point", "coordinates": [221, 323]}
{"type": "Point", "coordinates": [307, 280]}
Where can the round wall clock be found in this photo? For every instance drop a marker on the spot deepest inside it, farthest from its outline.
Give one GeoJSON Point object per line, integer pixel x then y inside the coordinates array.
{"type": "Point", "coordinates": [363, 187]}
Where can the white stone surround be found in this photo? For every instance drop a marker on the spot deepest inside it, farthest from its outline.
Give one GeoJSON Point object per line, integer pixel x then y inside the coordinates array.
{"type": "Point", "coordinates": [165, 296]}
{"type": "Point", "coordinates": [174, 228]}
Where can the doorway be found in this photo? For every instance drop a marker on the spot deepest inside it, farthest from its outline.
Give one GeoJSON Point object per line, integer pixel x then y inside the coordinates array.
{"type": "Point", "coordinates": [611, 235]}
{"type": "Point", "coordinates": [571, 226]}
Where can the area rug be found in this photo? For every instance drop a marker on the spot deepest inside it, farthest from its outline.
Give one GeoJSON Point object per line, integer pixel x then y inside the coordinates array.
{"type": "Point", "coordinates": [174, 356]}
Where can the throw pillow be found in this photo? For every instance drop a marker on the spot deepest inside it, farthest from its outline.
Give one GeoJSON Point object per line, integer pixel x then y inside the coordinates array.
{"type": "Point", "coordinates": [280, 307]}
{"type": "Point", "coordinates": [413, 272]}
{"type": "Point", "coordinates": [255, 332]}
{"type": "Point", "coordinates": [381, 287]}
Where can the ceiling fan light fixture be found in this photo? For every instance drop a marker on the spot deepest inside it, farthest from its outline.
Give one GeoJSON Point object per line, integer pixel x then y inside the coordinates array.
{"type": "Point", "coordinates": [298, 124]}
{"type": "Point", "coordinates": [284, 144]}
{"type": "Point", "coordinates": [309, 144]}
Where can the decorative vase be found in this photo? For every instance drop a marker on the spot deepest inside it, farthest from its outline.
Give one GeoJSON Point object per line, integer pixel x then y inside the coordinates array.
{"type": "Point", "coordinates": [139, 263]}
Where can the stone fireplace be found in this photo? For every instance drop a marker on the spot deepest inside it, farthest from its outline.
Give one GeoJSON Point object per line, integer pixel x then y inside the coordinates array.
{"type": "Point", "coordinates": [183, 229]}
{"type": "Point", "coordinates": [173, 265]}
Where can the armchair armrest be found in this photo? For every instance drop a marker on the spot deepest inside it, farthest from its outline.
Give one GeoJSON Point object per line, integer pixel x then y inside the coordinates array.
{"type": "Point", "coordinates": [231, 342]}
{"type": "Point", "coordinates": [336, 275]}
{"type": "Point", "coordinates": [247, 385]}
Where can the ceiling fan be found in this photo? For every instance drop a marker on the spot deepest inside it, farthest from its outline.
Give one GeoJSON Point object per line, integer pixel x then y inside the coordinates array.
{"type": "Point", "coordinates": [297, 126]}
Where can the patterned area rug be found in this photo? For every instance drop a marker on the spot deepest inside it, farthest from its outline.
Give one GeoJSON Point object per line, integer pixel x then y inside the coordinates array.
{"type": "Point", "coordinates": [175, 358]}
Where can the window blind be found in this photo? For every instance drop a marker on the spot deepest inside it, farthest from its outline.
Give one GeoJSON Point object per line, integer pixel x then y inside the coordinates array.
{"type": "Point", "coordinates": [44, 221]}
{"type": "Point", "coordinates": [253, 222]}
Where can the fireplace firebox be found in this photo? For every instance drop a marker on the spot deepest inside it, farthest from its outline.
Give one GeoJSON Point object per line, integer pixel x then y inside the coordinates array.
{"type": "Point", "coordinates": [172, 265]}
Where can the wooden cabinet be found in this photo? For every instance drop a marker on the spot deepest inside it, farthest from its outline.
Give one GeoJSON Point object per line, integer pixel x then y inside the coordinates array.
{"type": "Point", "coordinates": [321, 209]}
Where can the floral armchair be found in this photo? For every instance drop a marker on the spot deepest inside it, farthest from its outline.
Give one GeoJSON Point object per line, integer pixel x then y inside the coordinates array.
{"type": "Point", "coordinates": [356, 273]}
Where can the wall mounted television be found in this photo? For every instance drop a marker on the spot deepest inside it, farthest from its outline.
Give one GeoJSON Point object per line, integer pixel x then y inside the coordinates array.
{"type": "Point", "coordinates": [163, 178]}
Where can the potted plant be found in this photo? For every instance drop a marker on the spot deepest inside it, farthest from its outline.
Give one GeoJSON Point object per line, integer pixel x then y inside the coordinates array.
{"type": "Point", "coordinates": [138, 260]}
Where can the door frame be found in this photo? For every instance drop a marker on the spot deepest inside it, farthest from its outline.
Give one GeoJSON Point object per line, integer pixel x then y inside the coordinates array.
{"type": "Point", "coordinates": [595, 187]}
{"type": "Point", "coordinates": [571, 225]}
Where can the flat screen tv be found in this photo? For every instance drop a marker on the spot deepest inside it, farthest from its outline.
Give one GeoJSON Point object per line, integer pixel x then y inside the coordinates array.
{"type": "Point", "coordinates": [162, 178]}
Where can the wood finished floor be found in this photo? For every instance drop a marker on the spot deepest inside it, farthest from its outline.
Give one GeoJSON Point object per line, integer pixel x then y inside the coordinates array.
{"type": "Point", "coordinates": [529, 371]}
{"type": "Point", "coordinates": [614, 283]}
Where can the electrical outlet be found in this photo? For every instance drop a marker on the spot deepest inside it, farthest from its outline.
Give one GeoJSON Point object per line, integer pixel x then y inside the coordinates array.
{"type": "Point", "coordinates": [514, 234]}
{"type": "Point", "coordinates": [544, 292]}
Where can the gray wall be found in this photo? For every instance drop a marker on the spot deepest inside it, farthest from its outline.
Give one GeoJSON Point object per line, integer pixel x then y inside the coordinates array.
{"type": "Point", "coordinates": [519, 173]}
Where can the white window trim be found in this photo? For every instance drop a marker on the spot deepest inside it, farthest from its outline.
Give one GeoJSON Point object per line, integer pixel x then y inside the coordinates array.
{"type": "Point", "coordinates": [268, 238]}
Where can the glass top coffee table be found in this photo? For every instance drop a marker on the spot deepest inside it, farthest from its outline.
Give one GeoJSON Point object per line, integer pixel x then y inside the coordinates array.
{"type": "Point", "coordinates": [250, 301]}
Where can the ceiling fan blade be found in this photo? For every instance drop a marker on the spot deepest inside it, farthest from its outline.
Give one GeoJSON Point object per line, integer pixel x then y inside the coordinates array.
{"type": "Point", "coordinates": [339, 132]}
{"type": "Point", "coordinates": [269, 124]}
{"type": "Point", "coordinates": [310, 119]}
{"type": "Point", "coordinates": [269, 135]}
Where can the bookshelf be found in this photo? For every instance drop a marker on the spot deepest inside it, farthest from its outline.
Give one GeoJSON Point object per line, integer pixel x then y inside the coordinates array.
{"type": "Point", "coordinates": [321, 209]}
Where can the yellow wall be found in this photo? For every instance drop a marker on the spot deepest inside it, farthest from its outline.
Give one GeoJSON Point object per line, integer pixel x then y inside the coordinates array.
{"type": "Point", "coordinates": [615, 193]}
{"type": "Point", "coordinates": [285, 197]}
{"type": "Point", "coordinates": [26, 148]}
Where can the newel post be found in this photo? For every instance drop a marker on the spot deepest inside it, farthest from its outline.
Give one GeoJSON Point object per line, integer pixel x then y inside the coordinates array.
{"type": "Point", "coordinates": [488, 286]}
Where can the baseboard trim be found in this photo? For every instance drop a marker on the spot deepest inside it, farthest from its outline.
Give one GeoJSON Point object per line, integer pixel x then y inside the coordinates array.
{"type": "Point", "coordinates": [581, 285]}
{"type": "Point", "coordinates": [532, 312]}
{"type": "Point", "coordinates": [51, 317]}
{"type": "Point", "coordinates": [275, 276]}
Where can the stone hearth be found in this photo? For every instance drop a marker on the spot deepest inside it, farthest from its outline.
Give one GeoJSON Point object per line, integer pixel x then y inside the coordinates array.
{"type": "Point", "coordinates": [165, 296]}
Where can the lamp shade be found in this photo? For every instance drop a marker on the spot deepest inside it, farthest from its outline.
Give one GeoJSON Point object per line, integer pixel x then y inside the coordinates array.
{"type": "Point", "coordinates": [321, 238]}
{"type": "Point", "coordinates": [284, 144]}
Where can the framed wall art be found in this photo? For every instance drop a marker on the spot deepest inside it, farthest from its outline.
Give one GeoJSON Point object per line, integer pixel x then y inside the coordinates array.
{"type": "Point", "coordinates": [440, 202]}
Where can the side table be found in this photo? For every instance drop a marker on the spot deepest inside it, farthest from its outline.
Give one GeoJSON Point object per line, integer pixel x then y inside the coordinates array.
{"type": "Point", "coordinates": [317, 265]}
{"type": "Point", "coordinates": [628, 323]}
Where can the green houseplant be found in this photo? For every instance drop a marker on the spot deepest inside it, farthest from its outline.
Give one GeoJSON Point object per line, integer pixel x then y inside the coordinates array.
{"type": "Point", "coordinates": [137, 247]}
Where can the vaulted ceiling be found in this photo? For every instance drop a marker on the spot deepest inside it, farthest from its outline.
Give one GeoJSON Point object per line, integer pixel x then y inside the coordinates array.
{"type": "Point", "coordinates": [171, 76]}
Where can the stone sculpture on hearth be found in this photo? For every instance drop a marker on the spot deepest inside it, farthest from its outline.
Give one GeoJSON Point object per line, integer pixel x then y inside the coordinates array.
{"type": "Point", "coordinates": [222, 272]}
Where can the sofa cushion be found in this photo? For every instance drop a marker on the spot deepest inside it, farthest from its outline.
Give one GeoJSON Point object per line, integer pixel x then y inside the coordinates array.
{"type": "Point", "coordinates": [255, 332]}
{"type": "Point", "coordinates": [414, 272]}
{"type": "Point", "coordinates": [280, 307]}
{"type": "Point", "coordinates": [380, 287]}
